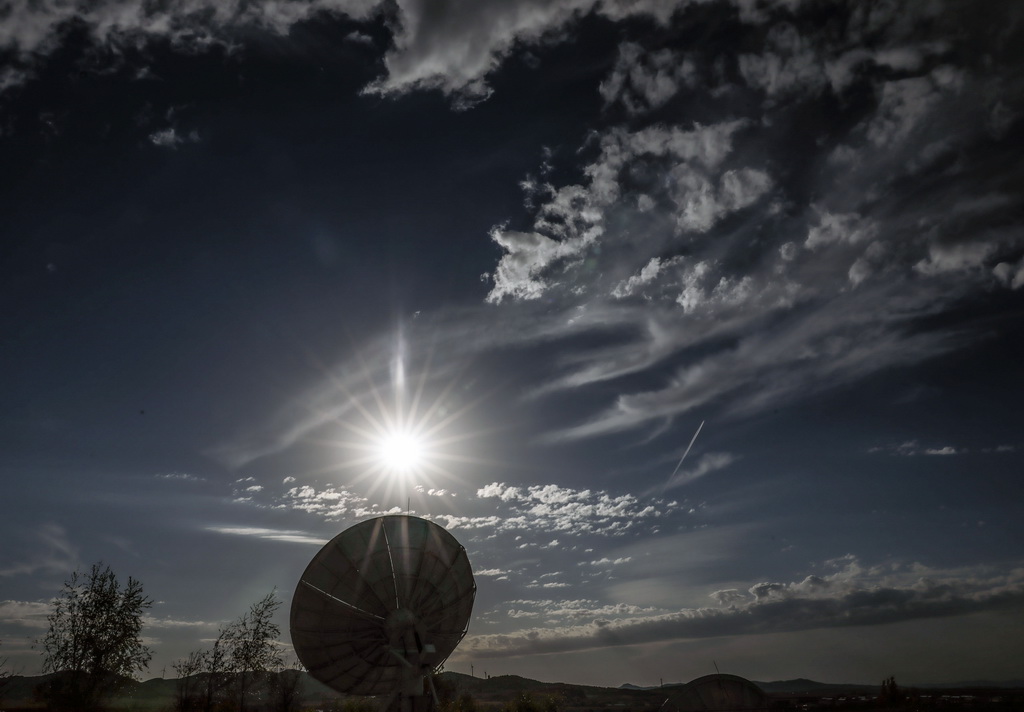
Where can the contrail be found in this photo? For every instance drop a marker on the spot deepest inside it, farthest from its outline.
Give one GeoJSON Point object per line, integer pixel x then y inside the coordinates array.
{"type": "Point", "coordinates": [680, 464]}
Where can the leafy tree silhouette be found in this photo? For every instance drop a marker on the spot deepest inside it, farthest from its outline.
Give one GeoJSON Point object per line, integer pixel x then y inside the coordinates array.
{"type": "Point", "coordinates": [94, 640]}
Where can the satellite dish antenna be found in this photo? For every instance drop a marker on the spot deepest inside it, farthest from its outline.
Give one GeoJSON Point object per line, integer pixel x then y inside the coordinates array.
{"type": "Point", "coordinates": [719, 692]}
{"type": "Point", "coordinates": [381, 606]}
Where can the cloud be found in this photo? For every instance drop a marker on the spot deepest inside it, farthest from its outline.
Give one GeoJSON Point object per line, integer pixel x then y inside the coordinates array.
{"type": "Point", "coordinates": [788, 65]}
{"type": "Point", "coordinates": [709, 462]}
{"type": "Point", "coordinates": [647, 275]}
{"type": "Point", "coordinates": [701, 204]}
{"type": "Point", "coordinates": [170, 138]}
{"type": "Point", "coordinates": [551, 508]}
{"type": "Point", "coordinates": [568, 610]}
{"type": "Point", "coordinates": [26, 614]}
{"type": "Point", "coordinates": [605, 561]}
{"type": "Point", "coordinates": [687, 248]}
{"type": "Point", "coordinates": [833, 229]}
{"type": "Point", "coordinates": [852, 596]}
{"type": "Point", "coordinates": [1012, 275]}
{"type": "Point", "coordinates": [911, 448]}
{"type": "Point", "coordinates": [295, 537]}
{"type": "Point", "coordinates": [183, 476]}
{"type": "Point", "coordinates": [571, 222]}
{"type": "Point", "coordinates": [330, 503]}
{"type": "Point", "coordinates": [728, 596]}
{"type": "Point", "coordinates": [53, 553]}
{"type": "Point", "coordinates": [453, 47]}
{"type": "Point", "coordinates": [527, 254]}
{"type": "Point", "coordinates": [35, 28]}
{"type": "Point", "coordinates": [643, 80]}
{"type": "Point", "coordinates": [154, 622]}
{"type": "Point", "coordinates": [686, 244]}
{"type": "Point", "coordinates": [905, 102]}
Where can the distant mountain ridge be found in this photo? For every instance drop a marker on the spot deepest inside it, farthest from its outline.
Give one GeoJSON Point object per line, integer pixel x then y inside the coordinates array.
{"type": "Point", "coordinates": [804, 685]}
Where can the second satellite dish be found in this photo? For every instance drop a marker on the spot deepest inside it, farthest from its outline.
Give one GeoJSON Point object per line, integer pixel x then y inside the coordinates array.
{"type": "Point", "coordinates": [381, 605]}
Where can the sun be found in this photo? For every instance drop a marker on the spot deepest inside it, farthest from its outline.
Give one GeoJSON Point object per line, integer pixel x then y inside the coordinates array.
{"type": "Point", "coordinates": [401, 451]}
{"type": "Point", "coordinates": [398, 441]}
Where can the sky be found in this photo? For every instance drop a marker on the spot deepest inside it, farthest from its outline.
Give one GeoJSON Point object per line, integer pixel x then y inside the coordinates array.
{"type": "Point", "coordinates": [246, 245]}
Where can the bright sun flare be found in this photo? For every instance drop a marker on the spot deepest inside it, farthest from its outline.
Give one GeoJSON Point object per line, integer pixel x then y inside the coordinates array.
{"type": "Point", "coordinates": [401, 451]}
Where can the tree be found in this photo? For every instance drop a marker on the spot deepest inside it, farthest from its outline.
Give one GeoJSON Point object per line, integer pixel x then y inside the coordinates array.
{"type": "Point", "coordinates": [891, 693]}
{"type": "Point", "coordinates": [215, 664]}
{"type": "Point", "coordinates": [252, 640]}
{"type": "Point", "coordinates": [94, 638]}
{"type": "Point", "coordinates": [238, 665]}
{"type": "Point", "coordinates": [189, 683]}
{"type": "Point", "coordinates": [525, 702]}
{"type": "Point", "coordinates": [5, 677]}
{"type": "Point", "coordinates": [285, 687]}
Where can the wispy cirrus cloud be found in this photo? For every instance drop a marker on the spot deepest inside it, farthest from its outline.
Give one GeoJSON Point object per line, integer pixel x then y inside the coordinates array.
{"type": "Point", "coordinates": [53, 553]}
{"type": "Point", "coordinates": [286, 535]}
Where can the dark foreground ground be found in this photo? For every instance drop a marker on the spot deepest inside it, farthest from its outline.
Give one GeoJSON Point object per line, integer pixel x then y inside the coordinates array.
{"type": "Point", "coordinates": [512, 693]}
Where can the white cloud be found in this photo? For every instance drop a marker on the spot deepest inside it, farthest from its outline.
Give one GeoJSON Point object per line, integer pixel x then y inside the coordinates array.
{"type": "Point", "coordinates": [702, 204]}
{"type": "Point", "coordinates": [1012, 275]}
{"type": "Point", "coordinates": [35, 27]}
{"type": "Point", "coordinates": [729, 596]}
{"type": "Point", "coordinates": [956, 258]}
{"type": "Point", "coordinates": [527, 254]}
{"type": "Point", "coordinates": [184, 477]}
{"type": "Point", "coordinates": [905, 103]}
{"type": "Point", "coordinates": [790, 65]}
{"type": "Point", "coordinates": [288, 535]}
{"type": "Point", "coordinates": [26, 614]}
{"type": "Point", "coordinates": [833, 228]}
{"type": "Point", "coordinates": [571, 222]}
{"type": "Point", "coordinates": [646, 275]}
{"type": "Point", "coordinates": [170, 138]}
{"type": "Point", "coordinates": [642, 81]}
{"type": "Point", "coordinates": [605, 561]}
{"type": "Point", "coordinates": [330, 503]}
{"type": "Point", "coordinates": [454, 46]}
{"type": "Point", "coordinates": [551, 509]}
{"type": "Point", "coordinates": [911, 448]}
{"type": "Point", "coordinates": [154, 622]}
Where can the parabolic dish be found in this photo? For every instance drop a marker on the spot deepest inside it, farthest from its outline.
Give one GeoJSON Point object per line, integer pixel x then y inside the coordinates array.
{"type": "Point", "coordinates": [718, 692]}
{"type": "Point", "coordinates": [386, 599]}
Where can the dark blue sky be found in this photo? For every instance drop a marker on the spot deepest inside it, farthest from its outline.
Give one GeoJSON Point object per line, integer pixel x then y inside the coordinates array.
{"type": "Point", "coordinates": [241, 243]}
